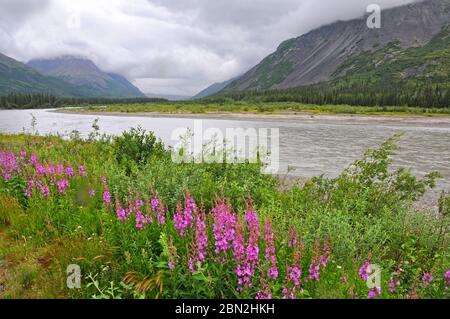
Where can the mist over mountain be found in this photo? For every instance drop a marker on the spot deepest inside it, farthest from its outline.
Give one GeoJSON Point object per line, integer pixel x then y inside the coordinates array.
{"type": "Point", "coordinates": [411, 45]}
{"type": "Point", "coordinates": [16, 77]}
{"type": "Point", "coordinates": [84, 73]}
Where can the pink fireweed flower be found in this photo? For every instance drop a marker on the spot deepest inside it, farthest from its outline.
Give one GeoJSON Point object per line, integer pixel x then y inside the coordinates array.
{"type": "Point", "coordinates": [50, 170]}
{"type": "Point", "coordinates": [82, 171]}
{"type": "Point", "coordinates": [161, 214]}
{"type": "Point", "coordinates": [447, 278]}
{"type": "Point", "coordinates": [149, 214]}
{"type": "Point", "coordinates": [44, 190]}
{"type": "Point", "coordinates": [121, 215]}
{"type": "Point", "coordinates": [106, 197]}
{"type": "Point", "coordinates": [426, 279]}
{"type": "Point", "coordinates": [223, 227]}
{"type": "Point", "coordinates": [365, 270]}
{"type": "Point", "coordinates": [29, 188]}
{"type": "Point", "coordinates": [59, 169]}
{"type": "Point", "coordinates": [8, 165]}
{"type": "Point", "coordinates": [252, 246]}
{"type": "Point", "coordinates": [33, 159]}
{"type": "Point", "coordinates": [154, 203]}
{"type": "Point", "coordinates": [270, 251]}
{"type": "Point", "coordinates": [63, 185]}
{"type": "Point", "coordinates": [374, 292]}
{"type": "Point", "coordinates": [23, 154]}
{"type": "Point", "coordinates": [239, 253]}
{"type": "Point", "coordinates": [140, 220]}
{"type": "Point", "coordinates": [189, 209]}
{"type": "Point", "coordinates": [70, 171]}
{"type": "Point", "coordinates": [106, 193]}
{"type": "Point", "coordinates": [184, 218]}
{"type": "Point", "coordinates": [40, 170]}
{"type": "Point", "coordinates": [295, 275]}
{"type": "Point", "coordinates": [158, 208]}
{"type": "Point", "coordinates": [293, 282]}
{"type": "Point", "coordinates": [393, 283]}
{"type": "Point", "coordinates": [201, 242]}
{"type": "Point", "coordinates": [91, 192]}
{"type": "Point", "coordinates": [246, 258]}
{"type": "Point", "coordinates": [314, 270]}
{"type": "Point", "coordinates": [178, 220]}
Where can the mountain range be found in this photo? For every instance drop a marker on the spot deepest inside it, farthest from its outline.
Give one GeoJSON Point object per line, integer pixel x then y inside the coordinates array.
{"type": "Point", "coordinates": [411, 50]}
{"type": "Point", "coordinates": [65, 76]}
{"type": "Point", "coordinates": [412, 46]}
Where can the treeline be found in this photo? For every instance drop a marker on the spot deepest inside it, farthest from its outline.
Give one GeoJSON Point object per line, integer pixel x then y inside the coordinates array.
{"type": "Point", "coordinates": [431, 96]}
{"type": "Point", "coordinates": [42, 100]}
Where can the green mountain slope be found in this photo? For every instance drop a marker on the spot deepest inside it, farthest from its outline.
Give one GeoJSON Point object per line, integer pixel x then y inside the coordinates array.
{"type": "Point", "coordinates": [411, 46]}
{"type": "Point", "coordinates": [394, 65]}
{"type": "Point", "coordinates": [84, 73]}
{"type": "Point", "coordinates": [16, 77]}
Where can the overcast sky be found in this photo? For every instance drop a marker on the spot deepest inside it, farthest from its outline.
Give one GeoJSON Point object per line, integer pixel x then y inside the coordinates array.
{"type": "Point", "coordinates": [166, 46]}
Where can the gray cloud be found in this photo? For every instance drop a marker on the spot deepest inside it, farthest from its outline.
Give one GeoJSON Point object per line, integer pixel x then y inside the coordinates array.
{"type": "Point", "coordinates": [166, 46]}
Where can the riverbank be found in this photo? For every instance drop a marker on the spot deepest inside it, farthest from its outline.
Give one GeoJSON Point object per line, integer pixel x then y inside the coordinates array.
{"type": "Point", "coordinates": [266, 108]}
{"type": "Point", "coordinates": [284, 116]}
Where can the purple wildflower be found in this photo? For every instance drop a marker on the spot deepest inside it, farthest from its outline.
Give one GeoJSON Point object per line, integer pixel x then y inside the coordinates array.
{"type": "Point", "coordinates": [447, 278]}
{"type": "Point", "coordinates": [63, 185]}
{"type": "Point", "coordinates": [201, 242]}
{"type": "Point", "coordinates": [70, 171]}
{"type": "Point", "coordinates": [184, 218]}
{"type": "Point", "coordinates": [365, 270]}
{"type": "Point", "coordinates": [82, 171]}
{"type": "Point", "coordinates": [33, 159]}
{"type": "Point", "coordinates": [374, 292]}
{"type": "Point", "coordinates": [121, 215]}
{"type": "Point", "coordinates": [426, 279]}
{"type": "Point", "coordinates": [270, 251]}
{"type": "Point", "coordinates": [223, 227]}
{"type": "Point", "coordinates": [106, 197]}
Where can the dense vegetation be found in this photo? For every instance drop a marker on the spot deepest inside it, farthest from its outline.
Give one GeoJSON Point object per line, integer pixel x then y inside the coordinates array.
{"type": "Point", "coordinates": [140, 225]}
{"type": "Point", "coordinates": [349, 92]}
{"type": "Point", "coordinates": [41, 100]}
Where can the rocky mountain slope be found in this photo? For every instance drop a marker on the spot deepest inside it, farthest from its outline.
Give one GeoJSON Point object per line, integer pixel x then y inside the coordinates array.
{"type": "Point", "coordinates": [346, 49]}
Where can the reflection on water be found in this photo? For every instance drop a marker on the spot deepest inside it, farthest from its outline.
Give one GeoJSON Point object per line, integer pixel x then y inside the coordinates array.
{"type": "Point", "coordinates": [311, 147]}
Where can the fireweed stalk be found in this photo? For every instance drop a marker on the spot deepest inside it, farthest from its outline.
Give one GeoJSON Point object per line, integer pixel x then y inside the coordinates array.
{"type": "Point", "coordinates": [247, 257]}
{"type": "Point", "coordinates": [364, 271]}
{"type": "Point", "coordinates": [294, 272]}
{"type": "Point", "coordinates": [159, 209]}
{"type": "Point", "coordinates": [271, 256]}
{"type": "Point", "coordinates": [224, 227]}
{"type": "Point", "coordinates": [184, 218]}
{"type": "Point", "coordinates": [106, 193]}
{"type": "Point", "coordinates": [200, 242]}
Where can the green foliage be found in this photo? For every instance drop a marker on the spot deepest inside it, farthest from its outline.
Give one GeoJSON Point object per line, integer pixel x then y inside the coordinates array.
{"type": "Point", "coordinates": [365, 213]}
{"type": "Point", "coordinates": [136, 147]}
